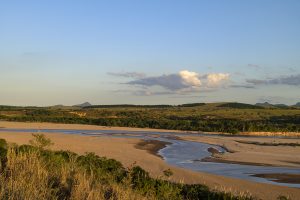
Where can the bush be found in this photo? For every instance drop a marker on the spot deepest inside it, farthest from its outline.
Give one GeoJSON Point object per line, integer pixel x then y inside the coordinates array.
{"type": "Point", "coordinates": [168, 172]}
{"type": "Point", "coordinates": [40, 141]}
{"type": "Point", "coordinates": [3, 143]}
{"type": "Point", "coordinates": [102, 166]}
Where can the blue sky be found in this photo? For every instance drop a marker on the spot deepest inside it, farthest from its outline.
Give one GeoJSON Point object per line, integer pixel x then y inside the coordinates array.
{"type": "Point", "coordinates": [149, 52]}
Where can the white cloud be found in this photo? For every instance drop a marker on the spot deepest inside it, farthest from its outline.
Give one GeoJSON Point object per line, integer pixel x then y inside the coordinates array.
{"type": "Point", "coordinates": [190, 78]}
{"type": "Point", "coordinates": [183, 82]}
{"type": "Point", "coordinates": [215, 80]}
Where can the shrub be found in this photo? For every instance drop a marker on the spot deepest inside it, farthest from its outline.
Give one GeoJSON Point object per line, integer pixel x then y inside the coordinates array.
{"type": "Point", "coordinates": [102, 166]}
{"type": "Point", "coordinates": [3, 151]}
{"type": "Point", "coordinates": [3, 143]}
{"type": "Point", "coordinates": [168, 172]}
{"type": "Point", "coordinates": [40, 141]}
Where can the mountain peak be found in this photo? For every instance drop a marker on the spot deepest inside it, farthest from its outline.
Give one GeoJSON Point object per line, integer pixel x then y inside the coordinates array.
{"type": "Point", "coordinates": [297, 104]}
{"type": "Point", "coordinates": [85, 104]}
{"type": "Point", "coordinates": [265, 104]}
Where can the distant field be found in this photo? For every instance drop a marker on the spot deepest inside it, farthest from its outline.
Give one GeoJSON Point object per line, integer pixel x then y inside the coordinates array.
{"type": "Point", "coordinates": [220, 117]}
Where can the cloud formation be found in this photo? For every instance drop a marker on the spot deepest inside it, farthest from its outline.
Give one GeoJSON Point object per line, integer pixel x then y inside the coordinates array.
{"type": "Point", "coordinates": [254, 66]}
{"type": "Point", "coordinates": [293, 80]}
{"type": "Point", "coordinates": [215, 80]}
{"type": "Point", "coordinates": [127, 74]}
{"type": "Point", "coordinates": [184, 81]}
{"type": "Point", "coordinates": [242, 86]}
{"type": "Point", "coordinates": [190, 78]}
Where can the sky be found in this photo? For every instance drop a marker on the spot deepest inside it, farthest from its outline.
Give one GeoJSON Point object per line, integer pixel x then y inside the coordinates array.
{"type": "Point", "coordinates": [149, 52]}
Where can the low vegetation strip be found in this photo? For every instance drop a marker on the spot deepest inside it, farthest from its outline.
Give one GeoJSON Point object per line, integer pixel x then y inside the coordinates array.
{"type": "Point", "coordinates": [269, 143]}
{"type": "Point", "coordinates": [225, 118]}
{"type": "Point", "coordinates": [34, 172]}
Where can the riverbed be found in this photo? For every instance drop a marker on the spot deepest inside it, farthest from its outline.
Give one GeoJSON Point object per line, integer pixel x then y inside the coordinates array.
{"type": "Point", "coordinates": [189, 155]}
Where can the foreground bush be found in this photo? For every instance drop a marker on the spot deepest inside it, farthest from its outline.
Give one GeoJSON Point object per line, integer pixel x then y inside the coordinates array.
{"type": "Point", "coordinates": [32, 172]}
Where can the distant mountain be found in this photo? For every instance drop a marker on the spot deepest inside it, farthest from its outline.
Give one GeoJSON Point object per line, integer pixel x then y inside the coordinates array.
{"type": "Point", "coordinates": [60, 107]}
{"type": "Point", "coordinates": [269, 105]}
{"type": "Point", "coordinates": [297, 104]}
{"type": "Point", "coordinates": [85, 104]}
{"type": "Point", "coordinates": [265, 105]}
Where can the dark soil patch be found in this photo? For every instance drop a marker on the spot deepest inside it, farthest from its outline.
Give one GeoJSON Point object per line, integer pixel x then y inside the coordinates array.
{"type": "Point", "coordinates": [281, 178]}
{"type": "Point", "coordinates": [152, 146]}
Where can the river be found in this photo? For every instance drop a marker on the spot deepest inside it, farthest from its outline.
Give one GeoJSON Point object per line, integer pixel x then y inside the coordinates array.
{"type": "Point", "coordinates": [186, 154]}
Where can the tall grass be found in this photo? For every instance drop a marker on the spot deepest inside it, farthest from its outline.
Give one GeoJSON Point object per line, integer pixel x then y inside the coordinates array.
{"type": "Point", "coordinates": [32, 172]}
{"type": "Point", "coordinates": [27, 176]}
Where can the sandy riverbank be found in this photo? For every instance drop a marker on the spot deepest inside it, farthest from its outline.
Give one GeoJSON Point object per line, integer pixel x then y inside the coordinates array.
{"type": "Point", "coordinates": [44, 125]}
{"type": "Point", "coordinates": [125, 151]}
{"type": "Point", "coordinates": [248, 153]}
{"type": "Point", "coordinates": [151, 146]}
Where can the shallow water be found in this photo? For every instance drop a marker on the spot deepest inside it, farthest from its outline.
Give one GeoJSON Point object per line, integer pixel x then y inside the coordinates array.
{"type": "Point", "coordinates": [184, 154]}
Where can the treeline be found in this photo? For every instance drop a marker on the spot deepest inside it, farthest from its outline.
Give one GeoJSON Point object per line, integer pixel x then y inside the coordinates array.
{"type": "Point", "coordinates": [274, 124]}
{"type": "Point", "coordinates": [240, 106]}
{"type": "Point", "coordinates": [16, 108]}
{"type": "Point", "coordinates": [145, 106]}
{"type": "Point", "coordinates": [129, 106]}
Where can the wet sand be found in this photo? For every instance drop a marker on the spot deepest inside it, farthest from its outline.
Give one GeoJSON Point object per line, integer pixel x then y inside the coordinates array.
{"type": "Point", "coordinates": [215, 157]}
{"type": "Point", "coordinates": [218, 160]}
{"type": "Point", "coordinates": [282, 178]}
{"type": "Point", "coordinates": [248, 152]}
{"type": "Point", "coordinates": [151, 146]}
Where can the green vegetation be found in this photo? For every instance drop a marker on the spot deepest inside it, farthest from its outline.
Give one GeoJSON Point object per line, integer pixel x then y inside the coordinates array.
{"type": "Point", "coordinates": [40, 141]}
{"type": "Point", "coordinates": [35, 172]}
{"type": "Point", "coordinates": [215, 117]}
{"type": "Point", "coordinates": [168, 172]}
{"type": "Point", "coordinates": [270, 143]}
{"type": "Point", "coordinates": [283, 198]}
{"type": "Point", "coordinates": [239, 105]}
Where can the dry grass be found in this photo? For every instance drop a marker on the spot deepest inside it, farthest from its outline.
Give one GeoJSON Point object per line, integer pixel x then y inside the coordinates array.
{"type": "Point", "coordinates": [26, 176]}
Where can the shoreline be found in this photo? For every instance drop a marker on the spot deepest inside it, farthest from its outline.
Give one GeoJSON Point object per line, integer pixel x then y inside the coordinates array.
{"type": "Point", "coordinates": [47, 125]}
{"type": "Point", "coordinates": [218, 160]}
{"type": "Point", "coordinates": [214, 158]}
{"type": "Point", "coordinates": [281, 178]}
{"type": "Point", "coordinates": [152, 146]}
